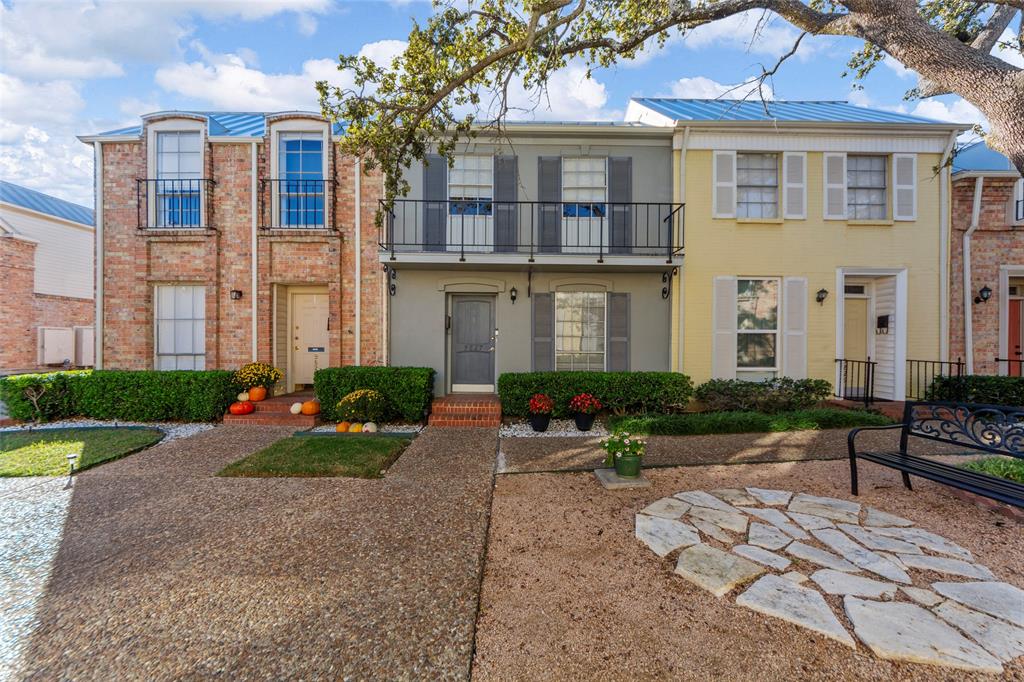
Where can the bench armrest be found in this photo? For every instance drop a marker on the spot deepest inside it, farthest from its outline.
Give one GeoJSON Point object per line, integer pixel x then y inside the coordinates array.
{"type": "Point", "coordinates": [853, 434]}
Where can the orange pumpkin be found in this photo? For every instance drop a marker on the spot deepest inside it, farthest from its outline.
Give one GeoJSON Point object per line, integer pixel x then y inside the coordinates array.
{"type": "Point", "coordinates": [311, 407]}
{"type": "Point", "coordinates": [257, 393]}
{"type": "Point", "coordinates": [342, 427]}
{"type": "Point", "coordinates": [241, 407]}
{"type": "Point", "coordinates": [355, 428]}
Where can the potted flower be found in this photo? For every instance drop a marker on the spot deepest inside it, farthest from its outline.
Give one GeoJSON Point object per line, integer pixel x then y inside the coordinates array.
{"type": "Point", "coordinates": [541, 407]}
{"type": "Point", "coordinates": [258, 375]}
{"type": "Point", "coordinates": [584, 408]}
{"type": "Point", "coordinates": [624, 453]}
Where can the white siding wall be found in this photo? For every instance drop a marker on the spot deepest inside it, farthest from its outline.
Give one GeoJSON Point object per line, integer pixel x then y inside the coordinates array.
{"type": "Point", "coordinates": [885, 344]}
{"type": "Point", "coordinates": [64, 254]}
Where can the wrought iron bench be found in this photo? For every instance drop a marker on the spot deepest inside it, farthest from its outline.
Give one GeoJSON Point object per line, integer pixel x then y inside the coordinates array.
{"type": "Point", "coordinates": [995, 429]}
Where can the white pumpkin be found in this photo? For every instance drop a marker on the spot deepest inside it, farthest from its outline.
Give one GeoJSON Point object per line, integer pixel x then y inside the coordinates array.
{"type": "Point", "coordinates": [243, 396]}
{"type": "Point", "coordinates": [369, 427]}
{"type": "Point", "coordinates": [296, 408]}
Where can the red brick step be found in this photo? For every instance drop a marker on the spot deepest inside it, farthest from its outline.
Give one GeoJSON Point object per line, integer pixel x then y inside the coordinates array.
{"type": "Point", "coordinates": [466, 410]}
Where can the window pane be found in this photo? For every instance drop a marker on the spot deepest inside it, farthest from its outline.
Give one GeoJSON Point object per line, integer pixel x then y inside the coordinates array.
{"type": "Point", "coordinates": [757, 185]}
{"type": "Point", "coordinates": [579, 330]}
{"type": "Point", "coordinates": [757, 303]}
{"type": "Point", "coordinates": [188, 142]}
{"type": "Point", "coordinates": [167, 142]}
{"type": "Point", "coordinates": [755, 350]}
{"type": "Point", "coordinates": [866, 187]}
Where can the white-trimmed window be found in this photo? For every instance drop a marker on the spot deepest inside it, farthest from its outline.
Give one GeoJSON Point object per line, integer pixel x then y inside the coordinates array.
{"type": "Point", "coordinates": [180, 327]}
{"type": "Point", "coordinates": [757, 185]}
{"type": "Point", "coordinates": [580, 330]}
{"type": "Point", "coordinates": [300, 189]}
{"type": "Point", "coordinates": [757, 328]}
{"type": "Point", "coordinates": [471, 203]}
{"type": "Point", "coordinates": [179, 169]}
{"type": "Point", "coordinates": [1017, 203]}
{"type": "Point", "coordinates": [866, 189]}
{"type": "Point", "coordinates": [584, 203]}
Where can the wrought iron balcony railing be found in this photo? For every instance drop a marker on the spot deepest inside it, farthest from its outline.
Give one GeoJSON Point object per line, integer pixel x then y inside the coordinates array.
{"type": "Point", "coordinates": [179, 204]}
{"type": "Point", "coordinates": [296, 204]}
{"type": "Point", "coordinates": [534, 228]}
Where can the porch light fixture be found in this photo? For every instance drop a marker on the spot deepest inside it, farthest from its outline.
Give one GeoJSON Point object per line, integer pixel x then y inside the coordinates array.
{"type": "Point", "coordinates": [821, 296]}
{"type": "Point", "coordinates": [513, 294]}
{"type": "Point", "coordinates": [983, 295]}
{"type": "Point", "coordinates": [236, 294]}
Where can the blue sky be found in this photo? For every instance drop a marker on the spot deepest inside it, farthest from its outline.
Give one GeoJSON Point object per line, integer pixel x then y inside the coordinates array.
{"type": "Point", "coordinates": [73, 67]}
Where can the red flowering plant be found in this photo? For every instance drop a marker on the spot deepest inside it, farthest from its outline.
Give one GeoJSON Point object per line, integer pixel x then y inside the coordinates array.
{"type": "Point", "coordinates": [584, 403]}
{"type": "Point", "coordinates": [541, 404]}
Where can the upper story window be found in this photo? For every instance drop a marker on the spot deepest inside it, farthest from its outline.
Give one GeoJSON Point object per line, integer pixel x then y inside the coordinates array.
{"type": "Point", "coordinates": [584, 187]}
{"type": "Point", "coordinates": [178, 185]}
{"type": "Point", "coordinates": [1017, 203]}
{"type": "Point", "coordinates": [471, 185]}
{"type": "Point", "coordinates": [866, 195]}
{"type": "Point", "coordinates": [300, 185]}
{"type": "Point", "coordinates": [757, 185]}
{"type": "Point", "coordinates": [757, 328]}
{"type": "Point", "coordinates": [580, 330]}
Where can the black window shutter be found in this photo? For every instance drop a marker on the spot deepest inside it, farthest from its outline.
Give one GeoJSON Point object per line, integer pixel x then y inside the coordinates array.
{"type": "Point", "coordinates": [506, 212]}
{"type": "Point", "coordinates": [549, 193]}
{"type": "Point", "coordinates": [617, 346]}
{"type": "Point", "coordinates": [543, 332]}
{"type": "Point", "coordinates": [435, 206]}
{"type": "Point", "coordinates": [620, 191]}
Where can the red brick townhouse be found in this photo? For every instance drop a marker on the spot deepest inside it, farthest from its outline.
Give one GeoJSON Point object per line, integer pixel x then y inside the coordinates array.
{"type": "Point", "coordinates": [46, 280]}
{"type": "Point", "coordinates": [224, 238]}
{"type": "Point", "coordinates": [987, 262]}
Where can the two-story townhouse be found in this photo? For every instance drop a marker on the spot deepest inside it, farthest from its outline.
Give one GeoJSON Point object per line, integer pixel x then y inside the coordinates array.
{"type": "Point", "coordinates": [224, 238]}
{"type": "Point", "coordinates": [816, 240]}
{"type": "Point", "coordinates": [46, 276]}
{"type": "Point", "coordinates": [987, 284]}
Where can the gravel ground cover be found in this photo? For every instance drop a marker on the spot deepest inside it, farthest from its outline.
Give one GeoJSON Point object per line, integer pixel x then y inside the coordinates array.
{"type": "Point", "coordinates": [569, 593]}
{"type": "Point", "coordinates": [165, 571]}
{"type": "Point", "coordinates": [174, 430]}
{"type": "Point", "coordinates": [558, 428]}
{"type": "Point", "coordinates": [580, 454]}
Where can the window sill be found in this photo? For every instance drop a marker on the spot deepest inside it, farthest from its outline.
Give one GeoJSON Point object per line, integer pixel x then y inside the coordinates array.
{"type": "Point", "coordinates": [760, 221]}
{"type": "Point", "coordinates": [870, 223]}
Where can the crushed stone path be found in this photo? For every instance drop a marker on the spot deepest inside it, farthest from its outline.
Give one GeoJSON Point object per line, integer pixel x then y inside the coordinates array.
{"type": "Point", "coordinates": [165, 571]}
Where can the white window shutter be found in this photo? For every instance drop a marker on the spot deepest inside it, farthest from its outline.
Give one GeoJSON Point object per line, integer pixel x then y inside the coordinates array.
{"type": "Point", "coordinates": [724, 173]}
{"type": "Point", "coordinates": [724, 323]}
{"type": "Point", "coordinates": [904, 186]}
{"type": "Point", "coordinates": [794, 192]}
{"type": "Point", "coordinates": [834, 206]}
{"type": "Point", "coordinates": [794, 327]}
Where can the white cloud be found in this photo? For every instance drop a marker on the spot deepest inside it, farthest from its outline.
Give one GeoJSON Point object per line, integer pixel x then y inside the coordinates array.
{"type": "Point", "coordinates": [306, 23]}
{"type": "Point", "coordinates": [897, 68]}
{"type": "Point", "coordinates": [958, 110]}
{"type": "Point", "coordinates": [35, 103]}
{"type": "Point", "coordinates": [774, 37]}
{"type": "Point", "coordinates": [569, 95]}
{"type": "Point", "coordinates": [705, 88]}
{"type": "Point", "coordinates": [59, 166]}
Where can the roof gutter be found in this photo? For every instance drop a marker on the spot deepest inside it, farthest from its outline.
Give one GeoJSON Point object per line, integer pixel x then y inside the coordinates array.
{"type": "Point", "coordinates": [979, 183]}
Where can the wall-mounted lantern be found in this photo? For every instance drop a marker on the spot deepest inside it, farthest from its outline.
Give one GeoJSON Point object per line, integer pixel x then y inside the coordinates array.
{"type": "Point", "coordinates": [983, 295]}
{"type": "Point", "coordinates": [513, 294]}
{"type": "Point", "coordinates": [821, 296]}
{"type": "Point", "coordinates": [236, 294]}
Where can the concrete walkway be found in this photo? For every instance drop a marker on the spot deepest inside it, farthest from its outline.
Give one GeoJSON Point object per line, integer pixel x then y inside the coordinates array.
{"type": "Point", "coordinates": [165, 571]}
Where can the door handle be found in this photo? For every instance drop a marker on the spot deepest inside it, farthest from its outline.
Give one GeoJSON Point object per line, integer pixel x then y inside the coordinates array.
{"type": "Point", "coordinates": [296, 347]}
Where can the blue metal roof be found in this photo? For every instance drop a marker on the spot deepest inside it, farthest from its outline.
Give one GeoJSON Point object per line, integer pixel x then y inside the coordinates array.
{"type": "Point", "coordinates": [978, 157]}
{"type": "Point", "coordinates": [44, 203]}
{"type": "Point", "coordinates": [754, 110]}
{"type": "Point", "coordinates": [246, 124]}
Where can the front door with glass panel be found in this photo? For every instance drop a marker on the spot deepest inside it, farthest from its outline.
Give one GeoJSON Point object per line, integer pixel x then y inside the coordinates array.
{"type": "Point", "coordinates": [473, 338]}
{"type": "Point", "coordinates": [309, 336]}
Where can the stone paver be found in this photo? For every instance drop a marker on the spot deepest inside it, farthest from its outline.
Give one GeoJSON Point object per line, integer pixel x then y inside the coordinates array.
{"type": "Point", "coordinates": [880, 542]}
{"type": "Point", "coordinates": [921, 596]}
{"type": "Point", "coordinates": [942, 564]}
{"type": "Point", "coordinates": [922, 538]}
{"type": "Point", "coordinates": [1002, 640]}
{"type": "Point", "coordinates": [810, 521]}
{"type": "Point", "coordinates": [821, 557]}
{"type": "Point", "coordinates": [997, 599]}
{"type": "Point", "coordinates": [876, 517]}
{"type": "Point", "coordinates": [858, 556]}
{"type": "Point", "coordinates": [713, 531]}
{"type": "Point", "coordinates": [771, 498]}
{"type": "Point", "coordinates": [780, 521]}
{"type": "Point", "coordinates": [762, 556]}
{"type": "Point", "coordinates": [829, 507]}
{"type": "Point", "coordinates": [838, 582]}
{"type": "Point", "coordinates": [666, 508]}
{"type": "Point", "coordinates": [716, 571]}
{"type": "Point", "coordinates": [781, 598]}
{"type": "Point", "coordinates": [664, 536]}
{"type": "Point", "coordinates": [733, 521]}
{"type": "Point", "coordinates": [769, 537]}
{"type": "Point", "coordinates": [734, 496]}
{"type": "Point", "coordinates": [699, 498]}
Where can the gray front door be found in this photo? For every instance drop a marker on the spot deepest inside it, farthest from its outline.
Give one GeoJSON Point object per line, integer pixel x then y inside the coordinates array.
{"type": "Point", "coordinates": [472, 345]}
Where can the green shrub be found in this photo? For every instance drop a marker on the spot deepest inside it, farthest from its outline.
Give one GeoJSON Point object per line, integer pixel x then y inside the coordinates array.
{"type": "Point", "coordinates": [702, 423]}
{"type": "Point", "coordinates": [1002, 467]}
{"type": "Point", "coordinates": [994, 390]}
{"type": "Point", "coordinates": [364, 405]}
{"type": "Point", "coordinates": [407, 390]}
{"type": "Point", "coordinates": [771, 395]}
{"type": "Point", "coordinates": [620, 392]}
{"type": "Point", "coordinates": [121, 395]}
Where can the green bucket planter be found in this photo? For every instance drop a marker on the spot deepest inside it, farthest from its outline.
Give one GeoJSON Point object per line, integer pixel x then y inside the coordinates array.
{"type": "Point", "coordinates": [627, 466]}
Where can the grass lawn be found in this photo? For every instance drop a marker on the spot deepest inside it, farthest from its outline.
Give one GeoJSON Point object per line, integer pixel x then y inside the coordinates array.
{"type": "Point", "coordinates": [1003, 467]}
{"type": "Point", "coordinates": [44, 452]}
{"type": "Point", "coordinates": [308, 456]}
{"type": "Point", "coordinates": [704, 423]}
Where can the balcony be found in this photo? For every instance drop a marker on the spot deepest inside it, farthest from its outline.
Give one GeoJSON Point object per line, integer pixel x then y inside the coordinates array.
{"type": "Point", "coordinates": [287, 204]}
{"type": "Point", "coordinates": [495, 232]}
{"type": "Point", "coordinates": [179, 204]}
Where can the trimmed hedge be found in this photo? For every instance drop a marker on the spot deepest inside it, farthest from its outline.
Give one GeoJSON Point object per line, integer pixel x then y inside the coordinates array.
{"type": "Point", "coordinates": [702, 423]}
{"type": "Point", "coordinates": [184, 395]}
{"type": "Point", "coordinates": [619, 392]}
{"type": "Point", "coordinates": [994, 390]}
{"type": "Point", "coordinates": [771, 395]}
{"type": "Point", "coordinates": [408, 390]}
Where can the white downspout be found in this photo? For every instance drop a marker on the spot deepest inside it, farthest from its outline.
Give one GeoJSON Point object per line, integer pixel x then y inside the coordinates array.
{"type": "Point", "coordinates": [945, 231]}
{"type": "Point", "coordinates": [968, 300]}
{"type": "Point", "coordinates": [98, 265]}
{"type": "Point", "coordinates": [253, 294]}
{"type": "Point", "coordinates": [682, 143]}
{"type": "Point", "coordinates": [385, 295]}
{"type": "Point", "coordinates": [359, 262]}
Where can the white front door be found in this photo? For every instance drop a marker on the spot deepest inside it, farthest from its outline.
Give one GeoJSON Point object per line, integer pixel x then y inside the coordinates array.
{"type": "Point", "coordinates": [309, 336]}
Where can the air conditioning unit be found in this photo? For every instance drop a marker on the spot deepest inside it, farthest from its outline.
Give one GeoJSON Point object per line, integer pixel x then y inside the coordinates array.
{"type": "Point", "coordinates": [85, 346]}
{"type": "Point", "coordinates": [56, 346]}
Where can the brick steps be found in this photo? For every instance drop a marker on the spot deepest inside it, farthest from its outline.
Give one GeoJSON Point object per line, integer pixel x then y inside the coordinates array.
{"type": "Point", "coordinates": [275, 411]}
{"type": "Point", "coordinates": [466, 410]}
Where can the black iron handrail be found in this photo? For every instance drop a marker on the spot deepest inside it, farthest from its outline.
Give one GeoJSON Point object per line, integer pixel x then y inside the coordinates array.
{"type": "Point", "coordinates": [921, 374]}
{"type": "Point", "coordinates": [1013, 365]}
{"type": "Point", "coordinates": [856, 380]}
{"type": "Point", "coordinates": [296, 204]}
{"type": "Point", "coordinates": [481, 225]}
{"type": "Point", "coordinates": [174, 204]}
